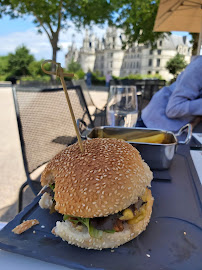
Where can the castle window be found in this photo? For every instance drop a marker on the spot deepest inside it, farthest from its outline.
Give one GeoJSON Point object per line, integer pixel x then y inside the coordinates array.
{"type": "Point", "coordinates": [150, 63]}
{"type": "Point", "coordinates": [159, 52]}
{"type": "Point", "coordinates": [158, 63]}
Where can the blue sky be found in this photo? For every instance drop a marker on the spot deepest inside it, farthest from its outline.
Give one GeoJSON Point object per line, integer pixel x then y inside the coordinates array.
{"type": "Point", "coordinates": [19, 31]}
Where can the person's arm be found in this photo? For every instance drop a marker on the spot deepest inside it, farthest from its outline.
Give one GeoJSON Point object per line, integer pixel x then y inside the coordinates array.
{"type": "Point", "coordinates": [183, 101]}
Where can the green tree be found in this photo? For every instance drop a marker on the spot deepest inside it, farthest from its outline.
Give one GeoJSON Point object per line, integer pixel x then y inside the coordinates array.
{"type": "Point", "coordinates": [176, 64]}
{"type": "Point", "coordinates": [80, 74]}
{"type": "Point", "coordinates": [194, 41]}
{"type": "Point", "coordinates": [35, 68]}
{"type": "Point", "coordinates": [137, 19]}
{"type": "Point", "coordinates": [74, 66]}
{"type": "Point", "coordinates": [55, 15]}
{"type": "Point", "coordinates": [3, 64]}
{"type": "Point", "coordinates": [18, 62]}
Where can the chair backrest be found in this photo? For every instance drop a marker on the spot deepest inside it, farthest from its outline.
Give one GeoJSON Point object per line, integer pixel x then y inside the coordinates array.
{"type": "Point", "coordinates": [152, 86]}
{"type": "Point", "coordinates": [138, 83]}
{"type": "Point", "coordinates": [39, 84]}
{"type": "Point", "coordinates": [114, 82]}
{"type": "Point", "coordinates": [45, 124]}
{"type": "Point", "coordinates": [85, 90]}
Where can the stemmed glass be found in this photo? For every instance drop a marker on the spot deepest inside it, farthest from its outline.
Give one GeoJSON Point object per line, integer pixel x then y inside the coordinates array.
{"type": "Point", "coordinates": [122, 106]}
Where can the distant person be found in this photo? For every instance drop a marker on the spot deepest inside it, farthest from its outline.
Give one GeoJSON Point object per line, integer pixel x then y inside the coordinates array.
{"type": "Point", "coordinates": [89, 79]}
{"type": "Point", "coordinates": [108, 78]}
{"type": "Point", "coordinates": [178, 104]}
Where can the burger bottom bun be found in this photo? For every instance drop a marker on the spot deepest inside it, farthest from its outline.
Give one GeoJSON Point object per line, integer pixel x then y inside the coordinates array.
{"type": "Point", "coordinates": [82, 239]}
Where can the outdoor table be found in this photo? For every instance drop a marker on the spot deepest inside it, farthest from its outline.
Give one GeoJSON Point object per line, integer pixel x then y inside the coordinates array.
{"type": "Point", "coordinates": [14, 261]}
{"type": "Point", "coordinates": [172, 240]}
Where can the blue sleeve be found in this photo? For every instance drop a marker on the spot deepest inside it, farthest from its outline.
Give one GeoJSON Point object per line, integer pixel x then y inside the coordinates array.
{"type": "Point", "coordinates": [183, 101]}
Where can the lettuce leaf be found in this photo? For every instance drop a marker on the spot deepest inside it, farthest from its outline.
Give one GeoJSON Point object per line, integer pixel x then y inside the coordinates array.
{"type": "Point", "coordinates": [52, 186]}
{"type": "Point", "coordinates": [86, 222]}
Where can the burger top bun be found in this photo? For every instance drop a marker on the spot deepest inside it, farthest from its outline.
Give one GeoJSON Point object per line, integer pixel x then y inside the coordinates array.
{"type": "Point", "coordinates": [106, 178]}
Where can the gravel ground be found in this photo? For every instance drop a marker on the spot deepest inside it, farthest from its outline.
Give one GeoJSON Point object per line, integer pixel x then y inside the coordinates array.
{"type": "Point", "coordinates": [12, 174]}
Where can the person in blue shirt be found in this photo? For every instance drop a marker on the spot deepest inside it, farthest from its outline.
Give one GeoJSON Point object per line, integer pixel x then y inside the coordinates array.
{"type": "Point", "coordinates": [88, 78]}
{"type": "Point", "coordinates": [178, 104]}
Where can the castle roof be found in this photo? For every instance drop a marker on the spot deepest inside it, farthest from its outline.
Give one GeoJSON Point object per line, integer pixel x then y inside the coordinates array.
{"type": "Point", "coordinates": [171, 42]}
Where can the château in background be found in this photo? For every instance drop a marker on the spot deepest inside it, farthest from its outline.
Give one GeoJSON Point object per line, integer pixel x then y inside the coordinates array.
{"type": "Point", "coordinates": [107, 56]}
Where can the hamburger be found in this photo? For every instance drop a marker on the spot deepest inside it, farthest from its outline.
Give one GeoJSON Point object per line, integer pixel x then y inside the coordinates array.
{"type": "Point", "coordinates": [101, 192]}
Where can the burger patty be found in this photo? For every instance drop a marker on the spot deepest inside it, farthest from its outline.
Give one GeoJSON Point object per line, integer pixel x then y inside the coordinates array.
{"type": "Point", "coordinates": [107, 223]}
{"type": "Point", "coordinates": [112, 222]}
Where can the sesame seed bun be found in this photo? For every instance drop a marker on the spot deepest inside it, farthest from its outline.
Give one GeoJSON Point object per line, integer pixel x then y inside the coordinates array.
{"type": "Point", "coordinates": [69, 233]}
{"type": "Point", "coordinates": [106, 178]}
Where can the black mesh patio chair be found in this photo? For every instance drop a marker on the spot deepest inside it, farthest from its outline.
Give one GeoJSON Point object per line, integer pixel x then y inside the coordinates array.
{"type": "Point", "coordinates": [98, 115]}
{"type": "Point", "coordinates": [85, 90]}
{"type": "Point", "coordinates": [151, 87]}
{"type": "Point", "coordinates": [114, 82]}
{"type": "Point", "coordinates": [45, 126]}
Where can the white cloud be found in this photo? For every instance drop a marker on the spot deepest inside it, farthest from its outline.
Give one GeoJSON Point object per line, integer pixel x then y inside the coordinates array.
{"type": "Point", "coordinates": [39, 45]}
{"type": "Point", "coordinates": [36, 43]}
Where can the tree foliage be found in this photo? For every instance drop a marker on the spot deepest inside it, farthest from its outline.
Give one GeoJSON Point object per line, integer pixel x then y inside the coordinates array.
{"type": "Point", "coordinates": [194, 41]}
{"type": "Point", "coordinates": [18, 62]}
{"type": "Point", "coordinates": [21, 63]}
{"type": "Point", "coordinates": [137, 19]}
{"type": "Point", "coordinates": [74, 66]}
{"type": "Point", "coordinates": [176, 64]}
{"type": "Point", "coordinates": [3, 64]}
{"type": "Point", "coordinates": [51, 16]}
{"type": "Point", "coordinates": [35, 68]}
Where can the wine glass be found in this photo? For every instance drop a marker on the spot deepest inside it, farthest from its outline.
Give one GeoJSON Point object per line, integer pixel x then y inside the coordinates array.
{"type": "Point", "coordinates": [122, 106]}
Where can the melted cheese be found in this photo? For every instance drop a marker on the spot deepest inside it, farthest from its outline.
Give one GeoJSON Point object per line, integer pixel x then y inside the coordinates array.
{"type": "Point", "coordinates": [139, 214]}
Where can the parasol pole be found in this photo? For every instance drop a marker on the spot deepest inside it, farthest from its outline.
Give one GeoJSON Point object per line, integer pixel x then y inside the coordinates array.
{"type": "Point", "coordinates": [200, 40]}
{"type": "Point", "coordinates": [59, 73]}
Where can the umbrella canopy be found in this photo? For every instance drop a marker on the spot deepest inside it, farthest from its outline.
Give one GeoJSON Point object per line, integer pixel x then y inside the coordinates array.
{"type": "Point", "coordinates": [179, 15]}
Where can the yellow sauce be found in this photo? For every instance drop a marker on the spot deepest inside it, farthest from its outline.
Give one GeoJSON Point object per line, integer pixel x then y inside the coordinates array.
{"type": "Point", "coordinates": [139, 214]}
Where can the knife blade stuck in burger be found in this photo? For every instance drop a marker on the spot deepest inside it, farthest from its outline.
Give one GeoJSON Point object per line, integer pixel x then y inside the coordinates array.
{"type": "Point", "coordinates": [101, 192]}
